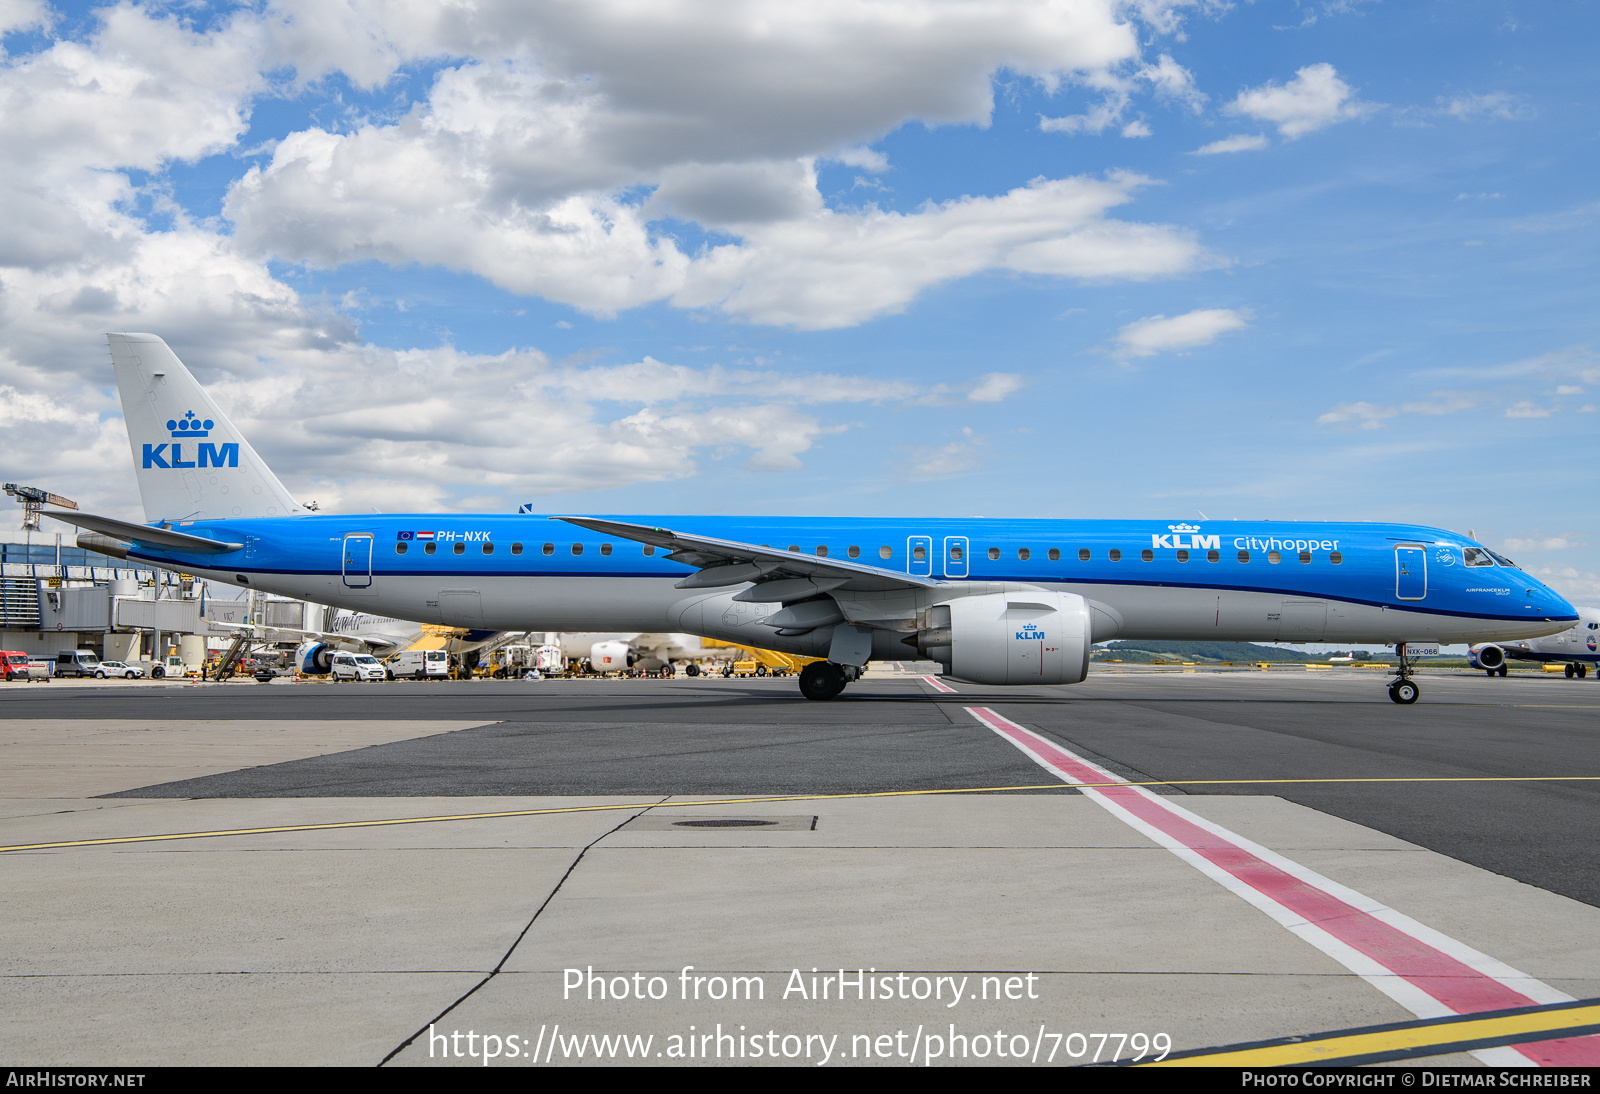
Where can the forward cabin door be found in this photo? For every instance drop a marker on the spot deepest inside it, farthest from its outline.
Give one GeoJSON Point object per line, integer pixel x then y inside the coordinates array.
{"type": "Point", "coordinates": [1410, 571]}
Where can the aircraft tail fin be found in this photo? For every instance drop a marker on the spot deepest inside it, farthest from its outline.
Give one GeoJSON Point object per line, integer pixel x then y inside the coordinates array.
{"type": "Point", "coordinates": [192, 464]}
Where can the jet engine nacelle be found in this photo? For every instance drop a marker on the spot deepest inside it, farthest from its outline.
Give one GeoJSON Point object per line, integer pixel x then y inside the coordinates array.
{"type": "Point", "coordinates": [1026, 637]}
{"type": "Point", "coordinates": [610, 656]}
{"type": "Point", "coordinates": [1486, 657]}
{"type": "Point", "coordinates": [315, 658]}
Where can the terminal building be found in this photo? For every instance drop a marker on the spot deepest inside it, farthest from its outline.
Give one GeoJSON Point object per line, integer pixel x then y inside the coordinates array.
{"type": "Point", "coordinates": [55, 596]}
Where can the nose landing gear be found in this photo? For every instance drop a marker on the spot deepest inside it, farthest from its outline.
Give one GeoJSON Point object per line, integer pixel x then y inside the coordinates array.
{"type": "Point", "coordinates": [1404, 690]}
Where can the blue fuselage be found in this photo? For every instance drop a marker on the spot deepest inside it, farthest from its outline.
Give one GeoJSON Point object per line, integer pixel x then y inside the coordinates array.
{"type": "Point", "coordinates": [1233, 580]}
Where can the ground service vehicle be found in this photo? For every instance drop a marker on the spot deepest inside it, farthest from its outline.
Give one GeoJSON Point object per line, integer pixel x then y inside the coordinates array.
{"type": "Point", "coordinates": [420, 665]}
{"type": "Point", "coordinates": [76, 663]}
{"type": "Point", "coordinates": [360, 667]}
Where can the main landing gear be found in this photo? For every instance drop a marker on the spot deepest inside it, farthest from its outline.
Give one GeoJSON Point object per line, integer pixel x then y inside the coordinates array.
{"type": "Point", "coordinates": [1501, 671]}
{"type": "Point", "coordinates": [1404, 689]}
{"type": "Point", "coordinates": [826, 679]}
{"type": "Point", "coordinates": [1580, 671]}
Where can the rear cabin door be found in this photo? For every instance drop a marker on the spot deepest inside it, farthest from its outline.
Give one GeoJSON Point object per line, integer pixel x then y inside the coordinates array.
{"type": "Point", "coordinates": [358, 560]}
{"type": "Point", "coordinates": [1410, 571]}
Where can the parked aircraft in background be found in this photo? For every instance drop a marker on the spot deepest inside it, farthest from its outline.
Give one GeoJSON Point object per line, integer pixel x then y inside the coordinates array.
{"type": "Point", "coordinates": [617, 651]}
{"type": "Point", "coordinates": [1578, 646]}
{"type": "Point", "coordinates": [994, 601]}
{"type": "Point", "coordinates": [353, 632]}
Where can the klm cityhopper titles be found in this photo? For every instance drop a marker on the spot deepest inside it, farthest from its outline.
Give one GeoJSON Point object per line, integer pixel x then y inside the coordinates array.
{"type": "Point", "coordinates": [994, 601]}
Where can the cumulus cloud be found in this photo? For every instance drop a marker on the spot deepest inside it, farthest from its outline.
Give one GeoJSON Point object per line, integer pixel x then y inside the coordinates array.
{"type": "Point", "coordinates": [1358, 415]}
{"type": "Point", "coordinates": [1166, 79]}
{"type": "Point", "coordinates": [1538, 543]}
{"type": "Point", "coordinates": [551, 155]}
{"type": "Point", "coordinates": [1362, 415]}
{"type": "Point", "coordinates": [1314, 99]}
{"type": "Point", "coordinates": [836, 269]}
{"type": "Point", "coordinates": [1577, 586]}
{"type": "Point", "coordinates": [1244, 142]}
{"type": "Point", "coordinates": [1495, 104]}
{"type": "Point", "coordinates": [1158, 334]}
{"type": "Point", "coordinates": [942, 461]}
{"type": "Point", "coordinates": [994, 387]}
{"type": "Point", "coordinates": [1526, 408]}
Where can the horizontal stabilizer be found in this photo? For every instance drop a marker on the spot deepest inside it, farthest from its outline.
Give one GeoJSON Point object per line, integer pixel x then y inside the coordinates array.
{"type": "Point", "coordinates": [139, 533]}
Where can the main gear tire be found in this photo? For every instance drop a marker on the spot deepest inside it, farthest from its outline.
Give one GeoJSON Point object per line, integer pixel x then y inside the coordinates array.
{"type": "Point", "coordinates": [821, 680]}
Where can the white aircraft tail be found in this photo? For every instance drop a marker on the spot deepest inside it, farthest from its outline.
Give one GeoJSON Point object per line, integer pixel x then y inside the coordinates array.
{"type": "Point", "coordinates": [191, 462]}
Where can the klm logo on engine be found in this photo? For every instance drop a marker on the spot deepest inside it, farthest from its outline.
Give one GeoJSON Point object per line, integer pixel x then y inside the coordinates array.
{"type": "Point", "coordinates": [205, 455]}
{"type": "Point", "coordinates": [1030, 632]}
{"type": "Point", "coordinates": [1186, 535]}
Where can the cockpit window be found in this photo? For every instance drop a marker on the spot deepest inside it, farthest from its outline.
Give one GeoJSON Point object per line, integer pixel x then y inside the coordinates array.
{"type": "Point", "coordinates": [1504, 561]}
{"type": "Point", "coordinates": [1477, 556]}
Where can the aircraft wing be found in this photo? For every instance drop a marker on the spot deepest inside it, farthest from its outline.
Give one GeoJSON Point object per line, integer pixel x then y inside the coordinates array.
{"type": "Point", "coordinates": [142, 533]}
{"type": "Point", "coordinates": [724, 562]}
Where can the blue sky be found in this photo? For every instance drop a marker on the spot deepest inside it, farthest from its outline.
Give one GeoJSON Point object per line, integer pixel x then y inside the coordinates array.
{"type": "Point", "coordinates": [754, 260]}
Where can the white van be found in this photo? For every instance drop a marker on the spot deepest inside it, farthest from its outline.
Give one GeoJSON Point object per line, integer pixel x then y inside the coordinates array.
{"type": "Point", "coordinates": [359, 667]}
{"type": "Point", "coordinates": [420, 665]}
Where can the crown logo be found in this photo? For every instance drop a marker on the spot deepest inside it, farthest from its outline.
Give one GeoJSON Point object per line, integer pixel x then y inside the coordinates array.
{"type": "Point", "coordinates": [1170, 527]}
{"type": "Point", "coordinates": [189, 426]}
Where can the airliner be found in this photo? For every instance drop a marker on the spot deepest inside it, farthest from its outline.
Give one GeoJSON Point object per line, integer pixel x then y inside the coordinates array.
{"type": "Point", "coordinates": [1578, 647]}
{"type": "Point", "coordinates": [995, 602]}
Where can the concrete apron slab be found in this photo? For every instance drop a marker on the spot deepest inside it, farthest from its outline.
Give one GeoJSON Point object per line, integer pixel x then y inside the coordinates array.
{"type": "Point", "coordinates": [337, 946]}
{"type": "Point", "coordinates": [83, 757]}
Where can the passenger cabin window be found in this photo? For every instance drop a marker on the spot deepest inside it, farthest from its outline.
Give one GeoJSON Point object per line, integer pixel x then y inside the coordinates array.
{"type": "Point", "coordinates": [1336, 558]}
{"type": "Point", "coordinates": [1148, 555]}
{"type": "Point", "coordinates": [822, 552]}
{"type": "Point", "coordinates": [429, 548]}
{"type": "Point", "coordinates": [885, 552]}
{"type": "Point", "coordinates": [460, 548]}
{"type": "Point", "coordinates": [1244, 556]}
{"type": "Point", "coordinates": [994, 554]}
{"type": "Point", "coordinates": [605, 548]}
{"type": "Point", "coordinates": [1213, 556]}
{"type": "Point", "coordinates": [919, 553]}
{"type": "Point", "coordinates": [1024, 554]}
{"type": "Point", "coordinates": [549, 548]}
{"type": "Point", "coordinates": [1476, 556]}
{"type": "Point", "coordinates": [956, 553]}
{"type": "Point", "coordinates": [854, 552]}
{"type": "Point", "coordinates": [516, 548]}
{"type": "Point", "coordinates": [649, 549]}
{"type": "Point", "coordinates": [1305, 556]}
{"type": "Point", "coordinates": [577, 548]}
{"type": "Point", "coordinates": [795, 547]}
{"type": "Point", "coordinates": [488, 548]}
{"type": "Point", "coordinates": [1274, 558]}
{"type": "Point", "coordinates": [1114, 555]}
{"type": "Point", "coordinates": [400, 548]}
{"type": "Point", "coordinates": [1183, 556]}
{"type": "Point", "coordinates": [1083, 554]}
{"type": "Point", "coordinates": [1055, 554]}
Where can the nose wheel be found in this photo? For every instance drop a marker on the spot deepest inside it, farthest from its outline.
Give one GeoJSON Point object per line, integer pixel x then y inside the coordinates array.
{"type": "Point", "coordinates": [1404, 690]}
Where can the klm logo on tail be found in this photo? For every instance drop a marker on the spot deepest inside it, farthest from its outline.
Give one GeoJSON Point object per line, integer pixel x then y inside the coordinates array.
{"type": "Point", "coordinates": [207, 455]}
